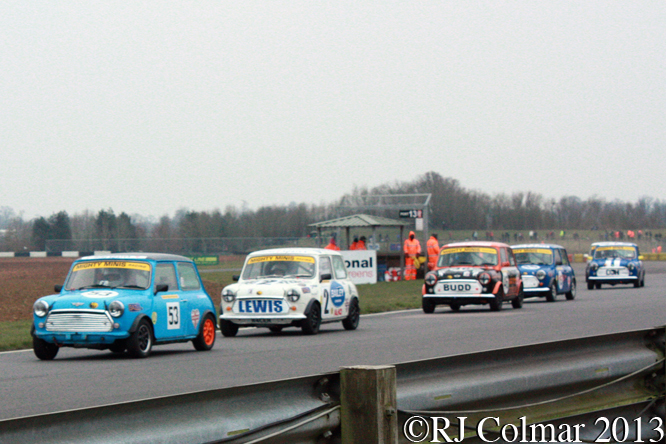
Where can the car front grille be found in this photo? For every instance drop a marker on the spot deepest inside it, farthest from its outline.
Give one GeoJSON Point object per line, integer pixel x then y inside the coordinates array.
{"type": "Point", "coordinates": [79, 321]}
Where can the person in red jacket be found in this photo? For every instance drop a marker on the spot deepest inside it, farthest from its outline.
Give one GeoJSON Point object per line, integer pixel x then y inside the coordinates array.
{"type": "Point", "coordinates": [412, 249]}
{"type": "Point", "coordinates": [433, 251]}
{"type": "Point", "coordinates": [332, 245]}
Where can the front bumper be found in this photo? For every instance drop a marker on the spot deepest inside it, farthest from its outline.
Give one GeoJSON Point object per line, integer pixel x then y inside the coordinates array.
{"type": "Point", "coordinates": [264, 320]}
{"type": "Point", "coordinates": [98, 340]}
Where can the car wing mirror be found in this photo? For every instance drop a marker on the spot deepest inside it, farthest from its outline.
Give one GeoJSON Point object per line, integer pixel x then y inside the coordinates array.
{"type": "Point", "coordinates": [58, 288]}
{"type": "Point", "coordinates": [235, 277]}
{"type": "Point", "coordinates": [325, 277]}
{"type": "Point", "coordinates": [161, 287]}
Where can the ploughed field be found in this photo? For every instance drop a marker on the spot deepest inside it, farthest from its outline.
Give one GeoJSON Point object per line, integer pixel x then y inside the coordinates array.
{"type": "Point", "coordinates": [24, 280]}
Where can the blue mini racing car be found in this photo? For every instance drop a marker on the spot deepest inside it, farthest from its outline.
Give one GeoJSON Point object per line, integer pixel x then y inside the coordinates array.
{"type": "Point", "coordinates": [125, 302]}
{"type": "Point", "coordinates": [614, 263]}
{"type": "Point", "coordinates": [545, 270]}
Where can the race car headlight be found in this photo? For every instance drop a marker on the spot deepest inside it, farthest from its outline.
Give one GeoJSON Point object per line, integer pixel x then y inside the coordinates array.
{"type": "Point", "coordinates": [594, 266]}
{"type": "Point", "coordinates": [631, 266]}
{"type": "Point", "coordinates": [116, 309]}
{"type": "Point", "coordinates": [430, 279]}
{"type": "Point", "coordinates": [41, 308]}
{"type": "Point", "coordinates": [293, 295]}
{"type": "Point", "coordinates": [541, 275]}
{"type": "Point", "coordinates": [484, 278]}
{"type": "Point", "coordinates": [228, 295]}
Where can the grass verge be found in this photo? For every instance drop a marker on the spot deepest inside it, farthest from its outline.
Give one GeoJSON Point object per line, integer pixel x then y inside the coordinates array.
{"type": "Point", "coordinates": [15, 335]}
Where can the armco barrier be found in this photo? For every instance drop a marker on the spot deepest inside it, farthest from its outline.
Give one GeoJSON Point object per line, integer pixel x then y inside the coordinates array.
{"type": "Point", "coordinates": [573, 383]}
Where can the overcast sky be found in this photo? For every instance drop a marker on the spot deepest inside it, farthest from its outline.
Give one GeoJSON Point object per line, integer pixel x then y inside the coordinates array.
{"type": "Point", "coordinates": [151, 106]}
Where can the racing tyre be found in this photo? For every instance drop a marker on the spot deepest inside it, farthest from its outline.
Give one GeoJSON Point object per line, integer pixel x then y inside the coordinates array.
{"type": "Point", "coordinates": [637, 283]}
{"type": "Point", "coordinates": [597, 286]}
{"type": "Point", "coordinates": [590, 285]}
{"type": "Point", "coordinates": [571, 294]}
{"type": "Point", "coordinates": [496, 304]}
{"type": "Point", "coordinates": [643, 281]}
{"type": "Point", "coordinates": [118, 346]}
{"type": "Point", "coordinates": [455, 307]}
{"type": "Point", "coordinates": [428, 306]}
{"type": "Point", "coordinates": [354, 316]}
{"type": "Point", "coordinates": [44, 350]}
{"type": "Point", "coordinates": [552, 293]}
{"type": "Point", "coordinates": [517, 302]}
{"type": "Point", "coordinates": [206, 337]}
{"type": "Point", "coordinates": [140, 343]}
{"type": "Point", "coordinates": [312, 322]}
{"type": "Point", "coordinates": [228, 329]}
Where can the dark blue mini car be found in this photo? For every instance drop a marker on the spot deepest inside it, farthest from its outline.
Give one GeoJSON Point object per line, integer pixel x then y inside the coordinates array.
{"type": "Point", "coordinates": [614, 263]}
{"type": "Point", "coordinates": [545, 270]}
{"type": "Point", "coordinates": [125, 302]}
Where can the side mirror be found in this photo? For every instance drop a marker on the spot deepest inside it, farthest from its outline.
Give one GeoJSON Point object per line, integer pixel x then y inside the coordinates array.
{"type": "Point", "coordinates": [325, 277]}
{"type": "Point", "coordinates": [58, 288]}
{"type": "Point", "coordinates": [235, 277]}
{"type": "Point", "coordinates": [161, 287]}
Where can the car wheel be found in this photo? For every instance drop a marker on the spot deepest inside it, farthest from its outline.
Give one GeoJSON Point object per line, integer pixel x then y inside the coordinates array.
{"type": "Point", "coordinates": [590, 285]}
{"type": "Point", "coordinates": [354, 316]}
{"type": "Point", "coordinates": [228, 329]}
{"type": "Point", "coordinates": [427, 305]}
{"type": "Point", "coordinates": [517, 302]}
{"type": "Point", "coordinates": [44, 350]}
{"type": "Point", "coordinates": [571, 294]}
{"type": "Point", "coordinates": [643, 280]}
{"type": "Point", "coordinates": [496, 304]}
{"type": "Point", "coordinates": [206, 337]}
{"type": "Point", "coordinates": [140, 343]}
{"type": "Point", "coordinates": [552, 293]}
{"type": "Point", "coordinates": [637, 283]}
{"type": "Point", "coordinates": [312, 321]}
{"type": "Point", "coordinates": [455, 307]}
{"type": "Point", "coordinates": [597, 286]}
{"type": "Point", "coordinates": [118, 346]}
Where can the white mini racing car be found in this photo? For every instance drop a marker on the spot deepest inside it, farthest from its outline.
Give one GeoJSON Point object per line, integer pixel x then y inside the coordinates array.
{"type": "Point", "coordinates": [290, 287]}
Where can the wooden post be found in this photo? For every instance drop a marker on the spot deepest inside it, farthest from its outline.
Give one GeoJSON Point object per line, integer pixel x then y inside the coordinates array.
{"type": "Point", "coordinates": [368, 402]}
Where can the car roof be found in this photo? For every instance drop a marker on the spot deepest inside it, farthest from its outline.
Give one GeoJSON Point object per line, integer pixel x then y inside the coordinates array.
{"type": "Point", "coordinates": [537, 246]}
{"type": "Point", "coordinates": [614, 244]}
{"type": "Point", "coordinates": [294, 250]}
{"type": "Point", "coordinates": [140, 256]}
{"type": "Point", "coordinates": [476, 244]}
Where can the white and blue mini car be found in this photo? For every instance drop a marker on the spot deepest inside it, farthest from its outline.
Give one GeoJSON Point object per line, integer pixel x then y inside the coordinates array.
{"type": "Point", "coordinates": [125, 302]}
{"type": "Point", "coordinates": [545, 270]}
{"type": "Point", "coordinates": [290, 287]}
{"type": "Point", "coordinates": [614, 263]}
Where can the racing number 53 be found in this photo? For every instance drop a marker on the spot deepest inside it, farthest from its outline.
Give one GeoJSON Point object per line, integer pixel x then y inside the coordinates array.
{"type": "Point", "coordinates": [173, 315]}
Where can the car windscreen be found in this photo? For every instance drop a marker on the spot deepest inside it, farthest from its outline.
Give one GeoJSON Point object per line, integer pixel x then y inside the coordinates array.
{"type": "Point", "coordinates": [109, 274]}
{"type": "Point", "coordinates": [475, 256]}
{"type": "Point", "coordinates": [279, 266]}
{"type": "Point", "coordinates": [533, 256]}
{"type": "Point", "coordinates": [616, 252]}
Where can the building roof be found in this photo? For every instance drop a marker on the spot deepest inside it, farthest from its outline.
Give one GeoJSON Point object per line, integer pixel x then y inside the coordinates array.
{"type": "Point", "coordinates": [360, 220]}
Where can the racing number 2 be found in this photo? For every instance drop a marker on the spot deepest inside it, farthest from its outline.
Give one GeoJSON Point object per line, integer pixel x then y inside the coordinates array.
{"type": "Point", "coordinates": [173, 315]}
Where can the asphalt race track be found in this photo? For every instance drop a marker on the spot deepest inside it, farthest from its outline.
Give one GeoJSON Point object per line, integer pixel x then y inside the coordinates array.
{"type": "Point", "coordinates": [84, 378]}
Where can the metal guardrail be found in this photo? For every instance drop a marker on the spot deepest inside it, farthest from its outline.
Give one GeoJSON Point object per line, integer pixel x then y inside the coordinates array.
{"type": "Point", "coordinates": [565, 382]}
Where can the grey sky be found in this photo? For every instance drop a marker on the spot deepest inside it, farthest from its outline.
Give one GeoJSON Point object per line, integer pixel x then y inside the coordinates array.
{"type": "Point", "coordinates": [147, 107]}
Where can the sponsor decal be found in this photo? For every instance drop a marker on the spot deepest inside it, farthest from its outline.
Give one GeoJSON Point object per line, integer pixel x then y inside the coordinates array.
{"type": "Point", "coordinates": [195, 317]}
{"type": "Point", "coordinates": [169, 296]}
{"type": "Point", "coordinates": [337, 294]}
{"type": "Point", "coordinates": [259, 259]}
{"type": "Point", "coordinates": [153, 317]}
{"type": "Point", "coordinates": [99, 294]}
{"type": "Point", "coordinates": [533, 250]}
{"type": "Point", "coordinates": [112, 264]}
{"type": "Point", "coordinates": [94, 305]}
{"type": "Point", "coordinates": [260, 306]}
{"type": "Point", "coordinates": [306, 289]}
{"type": "Point", "coordinates": [468, 250]}
{"type": "Point", "coordinates": [134, 307]}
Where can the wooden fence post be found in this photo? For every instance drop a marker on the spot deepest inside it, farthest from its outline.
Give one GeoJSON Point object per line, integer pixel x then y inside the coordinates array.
{"type": "Point", "coordinates": [368, 403]}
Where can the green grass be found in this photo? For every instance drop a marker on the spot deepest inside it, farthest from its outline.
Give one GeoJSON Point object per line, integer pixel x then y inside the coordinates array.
{"type": "Point", "coordinates": [375, 298]}
{"type": "Point", "coordinates": [15, 335]}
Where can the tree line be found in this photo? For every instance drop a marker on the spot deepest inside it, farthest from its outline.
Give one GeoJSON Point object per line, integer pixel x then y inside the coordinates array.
{"type": "Point", "coordinates": [452, 207]}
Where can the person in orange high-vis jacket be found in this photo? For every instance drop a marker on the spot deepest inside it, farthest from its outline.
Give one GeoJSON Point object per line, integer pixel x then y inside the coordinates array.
{"type": "Point", "coordinates": [412, 249]}
{"type": "Point", "coordinates": [433, 251]}
{"type": "Point", "coordinates": [332, 245]}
